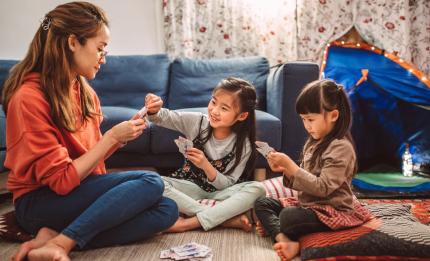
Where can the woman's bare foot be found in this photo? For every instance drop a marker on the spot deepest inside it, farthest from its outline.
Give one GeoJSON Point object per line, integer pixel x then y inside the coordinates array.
{"type": "Point", "coordinates": [260, 230]}
{"type": "Point", "coordinates": [240, 221]}
{"type": "Point", "coordinates": [287, 250]}
{"type": "Point", "coordinates": [41, 238]}
{"type": "Point", "coordinates": [184, 224]}
{"type": "Point", "coordinates": [50, 251]}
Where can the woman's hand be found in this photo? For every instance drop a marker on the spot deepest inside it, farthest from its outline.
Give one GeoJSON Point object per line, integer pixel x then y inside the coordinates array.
{"type": "Point", "coordinates": [197, 157]}
{"type": "Point", "coordinates": [127, 130]}
{"type": "Point", "coordinates": [153, 103]}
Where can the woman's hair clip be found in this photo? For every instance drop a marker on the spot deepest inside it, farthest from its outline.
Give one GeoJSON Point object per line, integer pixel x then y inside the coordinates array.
{"type": "Point", "coordinates": [46, 23]}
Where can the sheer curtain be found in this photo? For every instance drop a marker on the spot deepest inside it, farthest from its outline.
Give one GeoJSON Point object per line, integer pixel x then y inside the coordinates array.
{"type": "Point", "coordinates": [288, 30]}
{"type": "Point", "coordinates": [230, 28]}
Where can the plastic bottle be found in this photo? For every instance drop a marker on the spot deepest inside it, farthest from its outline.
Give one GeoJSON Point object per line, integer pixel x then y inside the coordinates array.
{"type": "Point", "coordinates": [407, 162]}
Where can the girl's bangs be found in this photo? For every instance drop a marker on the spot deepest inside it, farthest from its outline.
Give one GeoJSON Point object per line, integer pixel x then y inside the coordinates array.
{"type": "Point", "coordinates": [309, 101]}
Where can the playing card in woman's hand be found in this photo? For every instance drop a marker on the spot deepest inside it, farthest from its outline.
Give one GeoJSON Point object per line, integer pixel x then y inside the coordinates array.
{"type": "Point", "coordinates": [142, 113]}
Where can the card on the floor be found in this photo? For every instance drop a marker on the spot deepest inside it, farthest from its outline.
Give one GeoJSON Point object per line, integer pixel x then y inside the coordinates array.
{"type": "Point", "coordinates": [264, 148]}
{"type": "Point", "coordinates": [190, 251]}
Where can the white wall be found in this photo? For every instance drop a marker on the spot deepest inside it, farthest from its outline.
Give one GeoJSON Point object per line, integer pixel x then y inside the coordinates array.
{"type": "Point", "coordinates": [136, 25]}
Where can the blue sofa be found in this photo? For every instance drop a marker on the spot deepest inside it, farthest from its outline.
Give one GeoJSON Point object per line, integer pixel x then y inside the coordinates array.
{"type": "Point", "coordinates": [186, 84]}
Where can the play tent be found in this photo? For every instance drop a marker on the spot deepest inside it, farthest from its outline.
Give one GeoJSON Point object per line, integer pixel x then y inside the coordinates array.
{"type": "Point", "coordinates": [390, 101]}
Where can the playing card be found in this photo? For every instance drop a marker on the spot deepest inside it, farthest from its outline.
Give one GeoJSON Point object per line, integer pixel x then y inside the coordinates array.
{"type": "Point", "coordinates": [142, 113]}
{"type": "Point", "coordinates": [208, 257]}
{"type": "Point", "coordinates": [165, 253]}
{"type": "Point", "coordinates": [190, 251]}
{"type": "Point", "coordinates": [264, 148]}
{"type": "Point", "coordinates": [183, 144]}
{"type": "Point", "coordinates": [187, 142]}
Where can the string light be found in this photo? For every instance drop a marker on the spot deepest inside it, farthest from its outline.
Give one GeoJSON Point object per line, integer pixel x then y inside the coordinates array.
{"type": "Point", "coordinates": [343, 42]}
{"type": "Point", "coordinates": [373, 48]}
{"type": "Point", "coordinates": [358, 44]}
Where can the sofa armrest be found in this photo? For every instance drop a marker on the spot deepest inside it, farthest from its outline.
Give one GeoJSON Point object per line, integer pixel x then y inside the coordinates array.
{"type": "Point", "coordinates": [284, 83]}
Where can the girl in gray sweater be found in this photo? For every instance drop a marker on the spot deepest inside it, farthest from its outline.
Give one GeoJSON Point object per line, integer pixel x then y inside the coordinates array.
{"type": "Point", "coordinates": [221, 160]}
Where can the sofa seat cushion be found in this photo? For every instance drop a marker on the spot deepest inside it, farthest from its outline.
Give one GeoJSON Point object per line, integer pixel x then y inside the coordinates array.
{"type": "Point", "coordinates": [2, 159]}
{"type": "Point", "coordinates": [193, 80]}
{"type": "Point", "coordinates": [2, 139]}
{"type": "Point", "coordinates": [113, 115]}
{"type": "Point", "coordinates": [268, 130]}
{"type": "Point", "coordinates": [2, 130]}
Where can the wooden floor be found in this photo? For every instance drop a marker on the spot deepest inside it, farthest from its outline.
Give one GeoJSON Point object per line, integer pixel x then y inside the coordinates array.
{"type": "Point", "coordinates": [227, 245]}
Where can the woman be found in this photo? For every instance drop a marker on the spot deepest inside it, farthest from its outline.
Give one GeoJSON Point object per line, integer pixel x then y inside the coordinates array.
{"type": "Point", "coordinates": [55, 150]}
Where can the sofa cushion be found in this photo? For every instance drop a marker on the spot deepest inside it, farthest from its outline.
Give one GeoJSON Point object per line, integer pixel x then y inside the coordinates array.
{"type": "Point", "coordinates": [113, 115]}
{"type": "Point", "coordinates": [2, 130]}
{"type": "Point", "coordinates": [193, 80]}
{"type": "Point", "coordinates": [5, 66]}
{"type": "Point", "coordinates": [2, 159]}
{"type": "Point", "coordinates": [268, 126]}
{"type": "Point", "coordinates": [125, 80]}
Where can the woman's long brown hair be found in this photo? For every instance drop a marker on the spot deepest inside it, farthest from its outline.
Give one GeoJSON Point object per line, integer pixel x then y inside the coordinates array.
{"type": "Point", "coordinates": [49, 55]}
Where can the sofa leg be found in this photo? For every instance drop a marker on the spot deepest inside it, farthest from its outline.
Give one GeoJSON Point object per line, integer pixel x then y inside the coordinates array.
{"type": "Point", "coordinates": [259, 174]}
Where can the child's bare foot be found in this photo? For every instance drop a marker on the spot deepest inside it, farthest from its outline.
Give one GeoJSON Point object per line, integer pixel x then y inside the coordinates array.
{"type": "Point", "coordinates": [41, 238]}
{"type": "Point", "coordinates": [240, 221]}
{"type": "Point", "coordinates": [184, 224]}
{"type": "Point", "coordinates": [287, 250]}
{"type": "Point", "coordinates": [49, 251]}
{"type": "Point", "coordinates": [260, 229]}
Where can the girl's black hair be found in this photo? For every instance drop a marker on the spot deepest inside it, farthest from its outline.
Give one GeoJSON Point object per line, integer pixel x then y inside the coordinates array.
{"type": "Point", "coordinates": [324, 96]}
{"type": "Point", "coordinates": [247, 99]}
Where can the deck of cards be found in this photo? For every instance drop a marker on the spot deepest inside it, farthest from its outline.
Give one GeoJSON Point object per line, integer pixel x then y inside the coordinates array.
{"type": "Point", "coordinates": [183, 144]}
{"type": "Point", "coordinates": [191, 251]}
{"type": "Point", "coordinates": [264, 148]}
{"type": "Point", "coordinates": [143, 112]}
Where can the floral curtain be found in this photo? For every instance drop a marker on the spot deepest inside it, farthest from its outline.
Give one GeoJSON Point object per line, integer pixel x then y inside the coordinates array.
{"type": "Point", "coordinates": [401, 27]}
{"type": "Point", "coordinates": [229, 28]}
{"type": "Point", "coordinates": [288, 30]}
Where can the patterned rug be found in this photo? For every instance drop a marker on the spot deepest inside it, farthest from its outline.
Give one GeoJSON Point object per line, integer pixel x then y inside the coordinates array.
{"type": "Point", "coordinates": [399, 231]}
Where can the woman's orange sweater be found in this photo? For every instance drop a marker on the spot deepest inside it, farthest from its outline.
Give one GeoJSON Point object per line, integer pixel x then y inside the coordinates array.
{"type": "Point", "coordinates": [39, 153]}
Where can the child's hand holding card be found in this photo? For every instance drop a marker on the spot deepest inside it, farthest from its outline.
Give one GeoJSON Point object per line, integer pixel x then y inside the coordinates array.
{"type": "Point", "coordinates": [183, 144]}
{"type": "Point", "coordinates": [264, 148]}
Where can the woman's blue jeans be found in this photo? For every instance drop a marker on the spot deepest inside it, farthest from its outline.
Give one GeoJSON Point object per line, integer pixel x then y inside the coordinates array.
{"type": "Point", "coordinates": [104, 210]}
